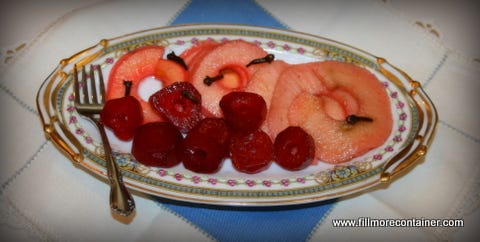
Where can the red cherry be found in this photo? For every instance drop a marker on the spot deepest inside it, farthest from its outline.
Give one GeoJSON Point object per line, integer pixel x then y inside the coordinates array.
{"type": "Point", "coordinates": [243, 111]}
{"type": "Point", "coordinates": [251, 153]}
{"type": "Point", "coordinates": [155, 144]}
{"type": "Point", "coordinates": [200, 153]}
{"type": "Point", "coordinates": [215, 128]}
{"type": "Point", "coordinates": [180, 103]}
{"type": "Point", "coordinates": [294, 148]}
{"type": "Point", "coordinates": [122, 115]}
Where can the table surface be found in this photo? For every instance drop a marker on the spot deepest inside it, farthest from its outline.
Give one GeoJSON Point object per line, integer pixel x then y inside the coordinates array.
{"type": "Point", "coordinates": [34, 206]}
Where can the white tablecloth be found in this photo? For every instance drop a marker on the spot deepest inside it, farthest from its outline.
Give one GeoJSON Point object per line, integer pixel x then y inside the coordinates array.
{"type": "Point", "coordinates": [44, 197]}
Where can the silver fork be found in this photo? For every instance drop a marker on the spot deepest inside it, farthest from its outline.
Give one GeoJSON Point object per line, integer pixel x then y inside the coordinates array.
{"type": "Point", "coordinates": [89, 102]}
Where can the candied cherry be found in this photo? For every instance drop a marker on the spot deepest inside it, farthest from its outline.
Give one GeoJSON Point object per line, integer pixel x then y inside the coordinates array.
{"type": "Point", "coordinates": [252, 152]}
{"type": "Point", "coordinates": [243, 111]}
{"type": "Point", "coordinates": [123, 115]}
{"type": "Point", "coordinates": [215, 128]}
{"type": "Point", "coordinates": [180, 103]}
{"type": "Point", "coordinates": [155, 144]}
{"type": "Point", "coordinates": [201, 153]}
{"type": "Point", "coordinates": [294, 148]}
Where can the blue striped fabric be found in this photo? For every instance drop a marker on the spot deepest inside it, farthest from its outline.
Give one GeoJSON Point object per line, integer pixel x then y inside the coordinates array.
{"type": "Point", "coordinates": [293, 223]}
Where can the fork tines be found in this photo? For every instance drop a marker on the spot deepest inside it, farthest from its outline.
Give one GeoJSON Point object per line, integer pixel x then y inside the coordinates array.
{"type": "Point", "coordinates": [90, 89]}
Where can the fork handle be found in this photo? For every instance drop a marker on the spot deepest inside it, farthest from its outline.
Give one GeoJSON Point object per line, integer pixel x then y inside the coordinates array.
{"type": "Point", "coordinates": [121, 201]}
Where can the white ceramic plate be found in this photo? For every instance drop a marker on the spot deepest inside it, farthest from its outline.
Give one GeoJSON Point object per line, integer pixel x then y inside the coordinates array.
{"type": "Point", "coordinates": [414, 123]}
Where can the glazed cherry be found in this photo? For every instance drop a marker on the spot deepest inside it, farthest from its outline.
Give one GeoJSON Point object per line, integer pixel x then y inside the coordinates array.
{"type": "Point", "coordinates": [180, 103]}
{"type": "Point", "coordinates": [201, 153]}
{"type": "Point", "coordinates": [243, 111]}
{"type": "Point", "coordinates": [252, 152]}
{"type": "Point", "coordinates": [294, 148]}
{"type": "Point", "coordinates": [155, 144]}
{"type": "Point", "coordinates": [123, 115]}
{"type": "Point", "coordinates": [215, 128]}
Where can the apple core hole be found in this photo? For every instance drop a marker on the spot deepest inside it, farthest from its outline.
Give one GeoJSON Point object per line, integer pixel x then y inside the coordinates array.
{"type": "Point", "coordinates": [233, 77]}
{"type": "Point", "coordinates": [148, 86]}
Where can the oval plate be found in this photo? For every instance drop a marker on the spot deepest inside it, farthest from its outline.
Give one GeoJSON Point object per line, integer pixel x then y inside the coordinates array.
{"type": "Point", "coordinates": [414, 114]}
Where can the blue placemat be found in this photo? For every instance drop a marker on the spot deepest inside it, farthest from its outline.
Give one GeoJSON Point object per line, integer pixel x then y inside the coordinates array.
{"type": "Point", "coordinates": [226, 11]}
{"type": "Point", "coordinates": [293, 223]}
{"type": "Point", "coordinates": [275, 224]}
